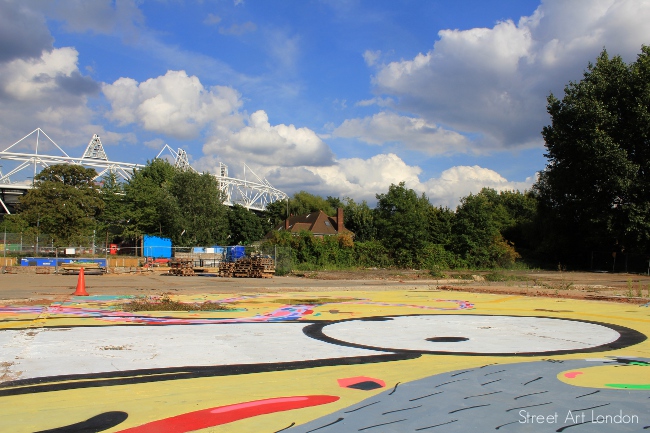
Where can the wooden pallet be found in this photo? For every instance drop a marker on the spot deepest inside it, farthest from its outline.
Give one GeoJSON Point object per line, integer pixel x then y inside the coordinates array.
{"type": "Point", "coordinates": [181, 267]}
{"type": "Point", "coordinates": [255, 267]}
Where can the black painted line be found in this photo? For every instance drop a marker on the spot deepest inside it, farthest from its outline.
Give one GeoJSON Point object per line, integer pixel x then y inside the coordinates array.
{"type": "Point", "coordinates": [481, 395]}
{"type": "Point", "coordinates": [379, 425]}
{"type": "Point", "coordinates": [425, 396]}
{"type": "Point", "coordinates": [437, 425]}
{"type": "Point", "coordinates": [584, 395]}
{"type": "Point", "coordinates": [494, 372]}
{"type": "Point", "coordinates": [503, 425]}
{"type": "Point", "coordinates": [646, 427]}
{"type": "Point", "coordinates": [354, 410]}
{"type": "Point", "coordinates": [561, 429]}
{"type": "Point", "coordinates": [627, 337]}
{"type": "Point", "coordinates": [462, 372]}
{"type": "Point", "coordinates": [532, 405]}
{"type": "Point", "coordinates": [487, 365]}
{"type": "Point", "coordinates": [588, 408]}
{"type": "Point", "coordinates": [531, 381]}
{"type": "Point", "coordinates": [287, 427]}
{"type": "Point", "coordinates": [452, 381]}
{"type": "Point", "coordinates": [394, 389]}
{"type": "Point", "coordinates": [400, 410]}
{"type": "Point", "coordinates": [534, 393]}
{"type": "Point", "coordinates": [127, 377]}
{"type": "Point", "coordinates": [466, 408]}
{"type": "Point", "coordinates": [492, 381]}
{"type": "Point", "coordinates": [97, 423]}
{"type": "Point", "coordinates": [326, 425]}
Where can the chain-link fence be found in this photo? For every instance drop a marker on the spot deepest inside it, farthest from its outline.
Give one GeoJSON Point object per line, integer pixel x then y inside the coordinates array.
{"type": "Point", "coordinates": [620, 261]}
{"type": "Point", "coordinates": [31, 249]}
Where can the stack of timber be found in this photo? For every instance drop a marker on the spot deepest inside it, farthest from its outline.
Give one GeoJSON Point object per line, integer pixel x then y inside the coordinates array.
{"type": "Point", "coordinates": [254, 267]}
{"type": "Point", "coordinates": [181, 267]}
{"type": "Point", "coordinates": [226, 269]}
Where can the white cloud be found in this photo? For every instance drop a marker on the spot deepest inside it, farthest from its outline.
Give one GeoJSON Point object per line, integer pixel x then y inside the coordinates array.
{"type": "Point", "coordinates": [371, 57]}
{"type": "Point", "coordinates": [262, 143]}
{"type": "Point", "coordinates": [457, 182]}
{"type": "Point", "coordinates": [47, 92]}
{"type": "Point", "coordinates": [362, 179]}
{"type": "Point", "coordinates": [493, 82]}
{"type": "Point", "coordinates": [413, 133]}
{"type": "Point", "coordinates": [173, 104]}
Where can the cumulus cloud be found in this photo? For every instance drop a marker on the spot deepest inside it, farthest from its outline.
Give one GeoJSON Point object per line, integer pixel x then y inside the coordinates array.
{"type": "Point", "coordinates": [457, 182]}
{"type": "Point", "coordinates": [23, 32]}
{"type": "Point", "coordinates": [362, 179]}
{"type": "Point", "coordinates": [413, 133]}
{"type": "Point", "coordinates": [49, 92]}
{"type": "Point", "coordinates": [492, 82]}
{"type": "Point", "coordinates": [174, 104]}
{"type": "Point", "coordinates": [262, 143]}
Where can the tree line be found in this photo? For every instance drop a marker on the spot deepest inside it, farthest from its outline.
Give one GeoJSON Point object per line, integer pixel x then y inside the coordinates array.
{"type": "Point", "coordinates": [593, 195]}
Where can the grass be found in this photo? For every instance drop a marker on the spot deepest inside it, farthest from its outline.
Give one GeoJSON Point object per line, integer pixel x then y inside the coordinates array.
{"type": "Point", "coordinates": [165, 303]}
{"type": "Point", "coordinates": [500, 277]}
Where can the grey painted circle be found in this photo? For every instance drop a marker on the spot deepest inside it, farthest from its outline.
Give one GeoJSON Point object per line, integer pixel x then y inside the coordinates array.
{"type": "Point", "coordinates": [483, 334]}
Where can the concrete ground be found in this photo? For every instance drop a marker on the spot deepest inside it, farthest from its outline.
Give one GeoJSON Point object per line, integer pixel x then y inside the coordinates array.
{"type": "Point", "coordinates": [304, 354]}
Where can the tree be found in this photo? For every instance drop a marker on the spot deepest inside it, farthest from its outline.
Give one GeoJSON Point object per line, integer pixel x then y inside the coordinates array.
{"type": "Point", "coordinates": [112, 220]}
{"type": "Point", "coordinates": [202, 218]}
{"type": "Point", "coordinates": [476, 236]}
{"type": "Point", "coordinates": [63, 203]}
{"type": "Point", "coordinates": [595, 189]}
{"type": "Point", "coordinates": [151, 207]}
{"type": "Point", "coordinates": [402, 223]}
{"type": "Point", "coordinates": [245, 226]}
{"type": "Point", "coordinates": [360, 220]}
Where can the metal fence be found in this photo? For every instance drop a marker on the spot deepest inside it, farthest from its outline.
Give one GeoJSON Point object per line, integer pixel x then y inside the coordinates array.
{"type": "Point", "coordinates": [30, 245]}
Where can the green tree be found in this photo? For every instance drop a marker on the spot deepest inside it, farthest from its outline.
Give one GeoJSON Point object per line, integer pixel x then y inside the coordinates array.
{"type": "Point", "coordinates": [476, 236]}
{"type": "Point", "coordinates": [401, 217]}
{"type": "Point", "coordinates": [63, 203]}
{"type": "Point", "coordinates": [152, 209]}
{"type": "Point", "coordinates": [360, 220]}
{"type": "Point", "coordinates": [595, 188]}
{"type": "Point", "coordinates": [112, 220]}
{"type": "Point", "coordinates": [440, 223]}
{"type": "Point", "coordinates": [245, 226]}
{"type": "Point", "coordinates": [202, 218]}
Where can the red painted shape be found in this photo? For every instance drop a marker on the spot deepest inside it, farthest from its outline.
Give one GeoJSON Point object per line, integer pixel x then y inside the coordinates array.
{"type": "Point", "coordinates": [225, 414]}
{"type": "Point", "coordinates": [572, 374]}
{"type": "Point", "coordinates": [344, 383]}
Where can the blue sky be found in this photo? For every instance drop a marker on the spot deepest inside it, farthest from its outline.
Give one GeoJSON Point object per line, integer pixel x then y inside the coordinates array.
{"type": "Point", "coordinates": [337, 98]}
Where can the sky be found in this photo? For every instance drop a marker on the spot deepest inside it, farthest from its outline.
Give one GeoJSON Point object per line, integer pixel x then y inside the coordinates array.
{"type": "Point", "coordinates": [335, 97]}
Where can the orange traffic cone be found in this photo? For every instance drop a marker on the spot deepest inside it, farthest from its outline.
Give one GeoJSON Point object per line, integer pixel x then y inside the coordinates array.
{"type": "Point", "coordinates": [81, 285]}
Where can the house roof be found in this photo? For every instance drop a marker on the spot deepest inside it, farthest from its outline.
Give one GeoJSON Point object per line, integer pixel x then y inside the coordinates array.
{"type": "Point", "coordinates": [316, 222]}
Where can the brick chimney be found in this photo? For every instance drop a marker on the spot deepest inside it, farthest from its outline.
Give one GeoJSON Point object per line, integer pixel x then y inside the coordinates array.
{"type": "Point", "coordinates": [339, 220]}
{"type": "Point", "coordinates": [286, 224]}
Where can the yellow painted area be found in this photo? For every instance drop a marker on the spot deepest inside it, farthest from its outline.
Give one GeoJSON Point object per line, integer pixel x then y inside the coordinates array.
{"type": "Point", "coordinates": [153, 401]}
{"type": "Point", "coordinates": [600, 376]}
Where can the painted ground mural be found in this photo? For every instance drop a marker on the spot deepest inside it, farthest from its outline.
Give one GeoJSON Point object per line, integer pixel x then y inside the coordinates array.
{"type": "Point", "coordinates": [388, 361]}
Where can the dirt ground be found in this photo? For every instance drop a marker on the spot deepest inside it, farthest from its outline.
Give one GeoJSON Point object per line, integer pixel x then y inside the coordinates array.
{"type": "Point", "coordinates": [618, 287]}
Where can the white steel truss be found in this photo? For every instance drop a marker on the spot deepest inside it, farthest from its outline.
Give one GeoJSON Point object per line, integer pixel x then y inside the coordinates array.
{"type": "Point", "coordinates": [254, 194]}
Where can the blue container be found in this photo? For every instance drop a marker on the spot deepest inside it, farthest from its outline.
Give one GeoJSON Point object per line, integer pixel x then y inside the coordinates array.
{"type": "Point", "coordinates": [157, 247]}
